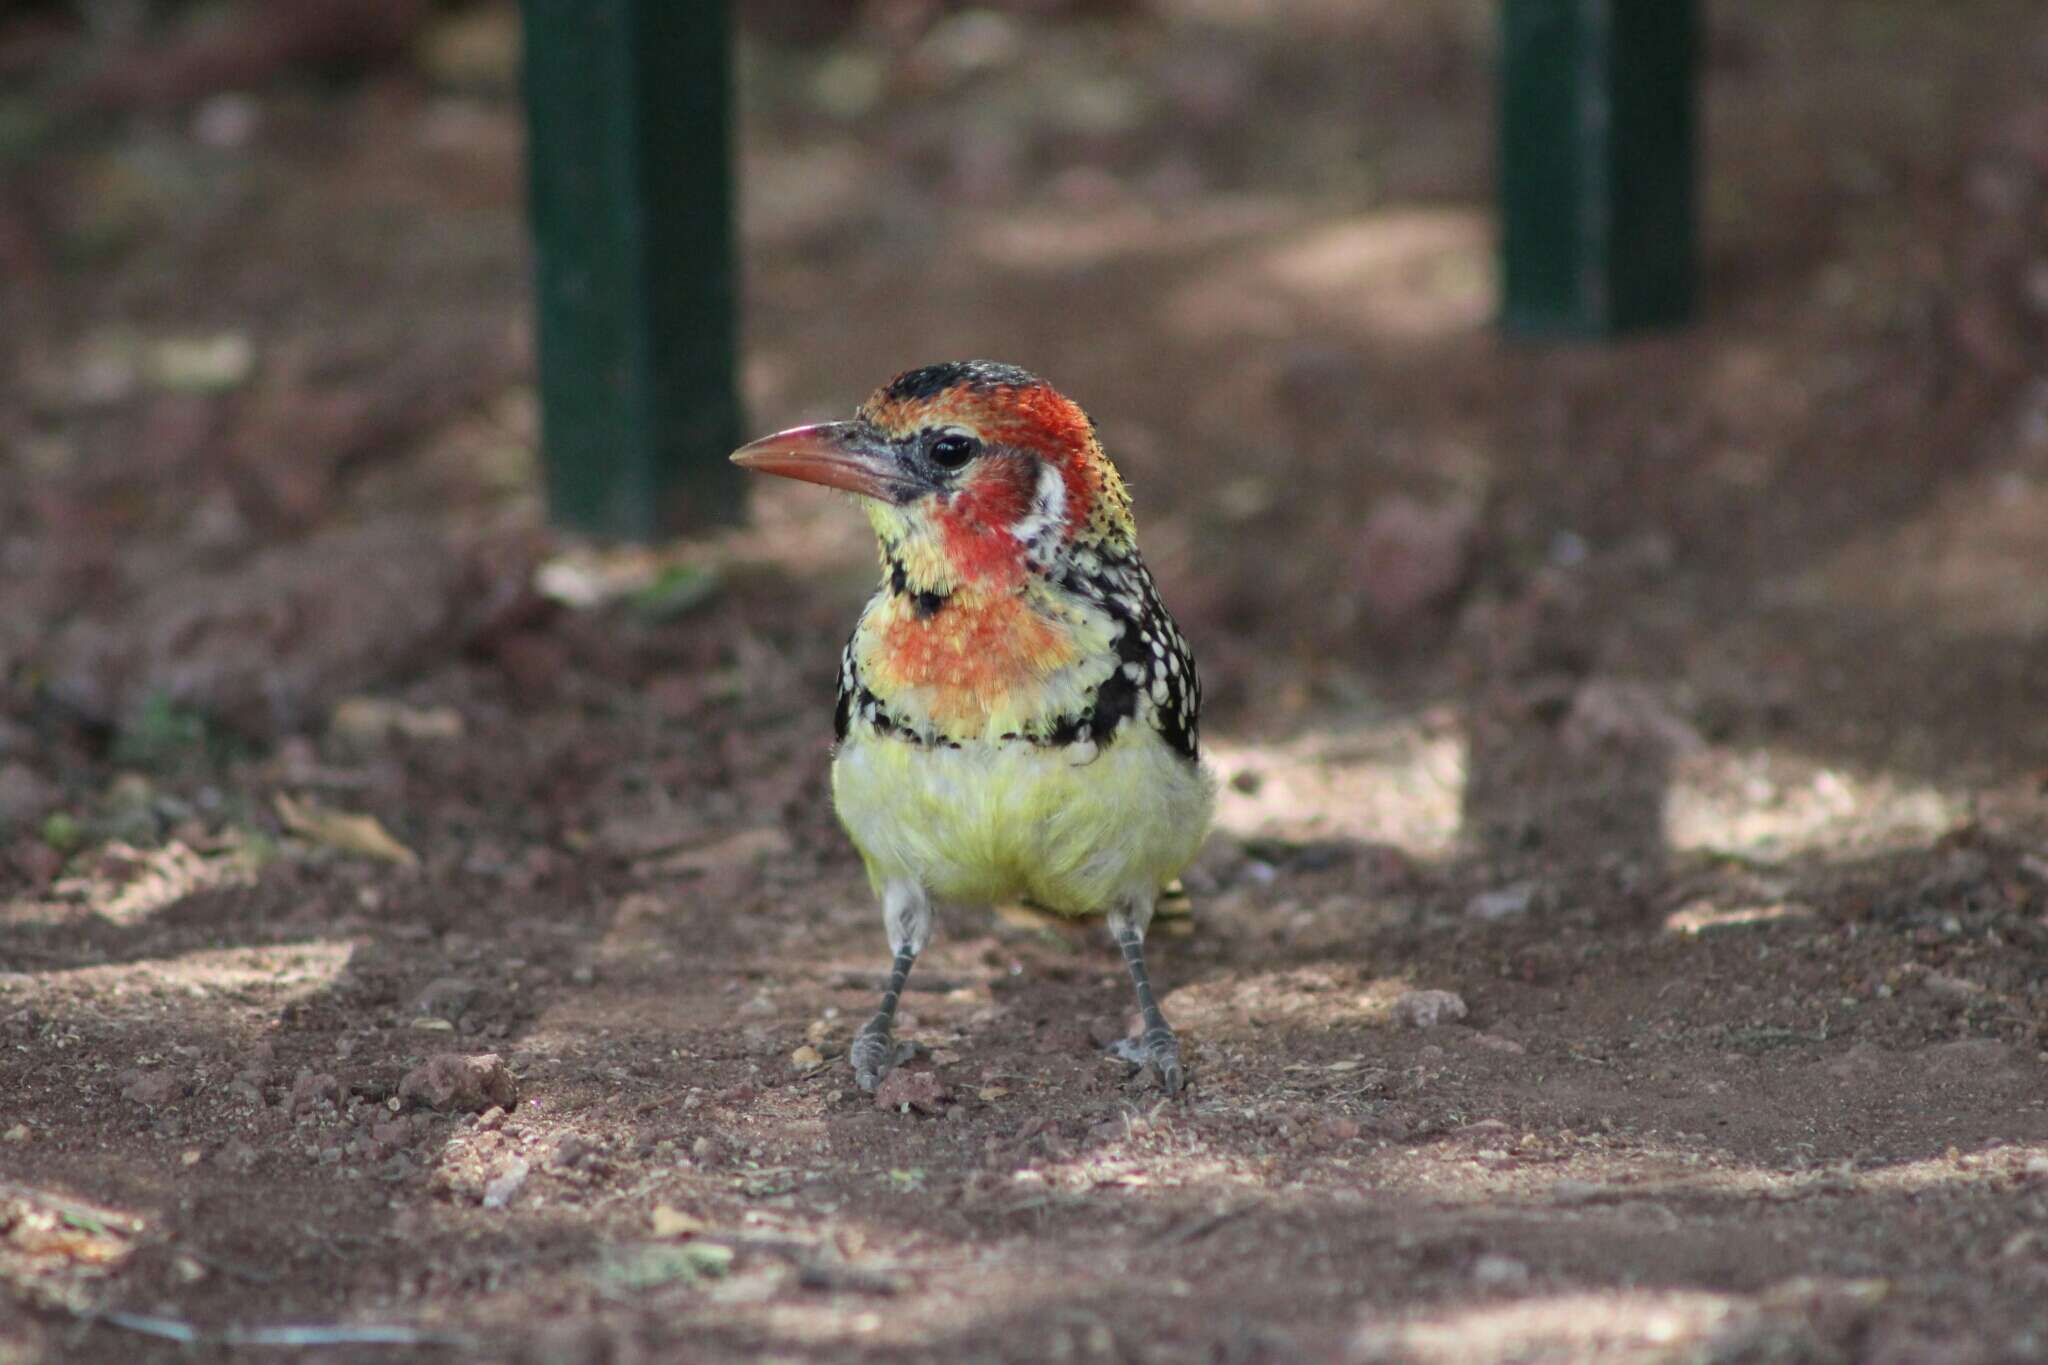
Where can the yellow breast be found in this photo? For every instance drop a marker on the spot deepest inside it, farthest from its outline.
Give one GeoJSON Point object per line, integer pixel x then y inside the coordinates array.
{"type": "Point", "coordinates": [993, 821]}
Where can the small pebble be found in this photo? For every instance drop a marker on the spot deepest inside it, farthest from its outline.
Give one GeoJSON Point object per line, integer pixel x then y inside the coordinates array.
{"type": "Point", "coordinates": [498, 1193]}
{"type": "Point", "coordinates": [1427, 1009]}
{"type": "Point", "coordinates": [1507, 903]}
{"type": "Point", "coordinates": [918, 1089]}
{"type": "Point", "coordinates": [447, 998]}
{"type": "Point", "coordinates": [1499, 1272]}
{"type": "Point", "coordinates": [454, 1083]}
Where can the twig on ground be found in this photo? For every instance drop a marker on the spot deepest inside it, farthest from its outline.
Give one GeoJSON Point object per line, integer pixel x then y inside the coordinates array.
{"type": "Point", "coordinates": [1193, 1229]}
{"type": "Point", "coordinates": [287, 1334]}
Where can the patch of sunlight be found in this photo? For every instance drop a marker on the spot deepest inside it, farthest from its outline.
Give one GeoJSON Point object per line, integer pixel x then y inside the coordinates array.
{"type": "Point", "coordinates": [1060, 239]}
{"type": "Point", "coordinates": [1395, 784]}
{"type": "Point", "coordinates": [1032, 1284]}
{"type": "Point", "coordinates": [1459, 1176]}
{"type": "Point", "coordinates": [2002, 1164]}
{"type": "Point", "coordinates": [1753, 1182]}
{"type": "Point", "coordinates": [1117, 1165]}
{"type": "Point", "coordinates": [1150, 1158]}
{"type": "Point", "coordinates": [1758, 812]}
{"type": "Point", "coordinates": [1318, 996]}
{"type": "Point", "coordinates": [1617, 1325]}
{"type": "Point", "coordinates": [127, 885]}
{"type": "Point", "coordinates": [1406, 274]}
{"type": "Point", "coordinates": [1971, 564]}
{"type": "Point", "coordinates": [296, 970]}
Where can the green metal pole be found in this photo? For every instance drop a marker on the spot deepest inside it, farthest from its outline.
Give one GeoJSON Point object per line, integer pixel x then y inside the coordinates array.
{"type": "Point", "coordinates": [1598, 157]}
{"type": "Point", "coordinates": [630, 173]}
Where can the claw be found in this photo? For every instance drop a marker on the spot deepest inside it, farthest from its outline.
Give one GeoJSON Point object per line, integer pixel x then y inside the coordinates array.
{"type": "Point", "coordinates": [875, 1054]}
{"type": "Point", "coordinates": [1158, 1049]}
{"type": "Point", "coordinates": [1171, 1077]}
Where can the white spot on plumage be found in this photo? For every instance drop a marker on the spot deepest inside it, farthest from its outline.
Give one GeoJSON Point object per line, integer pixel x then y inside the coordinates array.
{"type": "Point", "coordinates": [1048, 513]}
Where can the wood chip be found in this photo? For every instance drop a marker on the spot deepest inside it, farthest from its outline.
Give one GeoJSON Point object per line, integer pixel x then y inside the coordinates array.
{"type": "Point", "coordinates": [359, 834]}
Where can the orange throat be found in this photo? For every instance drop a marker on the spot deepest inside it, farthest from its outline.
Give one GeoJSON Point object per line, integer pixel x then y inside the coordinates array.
{"type": "Point", "coordinates": [981, 655]}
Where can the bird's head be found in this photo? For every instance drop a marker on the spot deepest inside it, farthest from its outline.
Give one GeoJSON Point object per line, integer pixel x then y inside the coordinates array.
{"type": "Point", "coordinates": [972, 473]}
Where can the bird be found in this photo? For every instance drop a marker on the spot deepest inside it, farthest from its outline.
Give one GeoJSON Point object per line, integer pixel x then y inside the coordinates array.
{"type": "Point", "coordinates": [1017, 712]}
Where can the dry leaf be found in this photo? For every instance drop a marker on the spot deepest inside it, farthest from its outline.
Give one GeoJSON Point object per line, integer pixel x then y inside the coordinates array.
{"type": "Point", "coordinates": [806, 1057]}
{"type": "Point", "coordinates": [743, 849]}
{"type": "Point", "coordinates": [74, 1234]}
{"type": "Point", "coordinates": [360, 834]}
{"type": "Point", "coordinates": [670, 1221]}
{"type": "Point", "coordinates": [369, 719]}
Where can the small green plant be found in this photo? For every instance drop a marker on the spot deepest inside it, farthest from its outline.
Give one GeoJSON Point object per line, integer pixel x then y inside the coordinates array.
{"type": "Point", "coordinates": [161, 734]}
{"type": "Point", "coordinates": [62, 832]}
{"type": "Point", "coordinates": [676, 591]}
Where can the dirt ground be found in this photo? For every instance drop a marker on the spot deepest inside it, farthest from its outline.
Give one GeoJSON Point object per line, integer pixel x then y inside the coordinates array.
{"type": "Point", "coordinates": [1677, 705]}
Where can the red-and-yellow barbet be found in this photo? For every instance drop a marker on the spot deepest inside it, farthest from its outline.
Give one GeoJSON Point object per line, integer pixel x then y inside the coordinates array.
{"type": "Point", "coordinates": [1017, 711]}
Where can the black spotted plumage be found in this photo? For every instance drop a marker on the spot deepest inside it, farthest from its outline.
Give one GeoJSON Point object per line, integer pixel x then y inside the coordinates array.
{"type": "Point", "coordinates": [1154, 674]}
{"type": "Point", "coordinates": [849, 689]}
{"type": "Point", "coordinates": [857, 701]}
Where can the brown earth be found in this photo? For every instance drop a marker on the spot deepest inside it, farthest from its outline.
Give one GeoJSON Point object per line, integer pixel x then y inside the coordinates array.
{"type": "Point", "coordinates": [1675, 704]}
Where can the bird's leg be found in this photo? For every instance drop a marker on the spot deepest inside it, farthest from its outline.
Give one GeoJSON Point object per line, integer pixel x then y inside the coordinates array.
{"type": "Point", "coordinates": [875, 1051]}
{"type": "Point", "coordinates": [1155, 1046]}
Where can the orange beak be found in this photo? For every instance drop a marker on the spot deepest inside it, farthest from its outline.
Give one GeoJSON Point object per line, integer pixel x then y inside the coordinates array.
{"type": "Point", "coordinates": [844, 455]}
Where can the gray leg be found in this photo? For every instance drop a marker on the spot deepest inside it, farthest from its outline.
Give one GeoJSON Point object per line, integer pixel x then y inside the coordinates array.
{"type": "Point", "coordinates": [875, 1051]}
{"type": "Point", "coordinates": [1155, 1046]}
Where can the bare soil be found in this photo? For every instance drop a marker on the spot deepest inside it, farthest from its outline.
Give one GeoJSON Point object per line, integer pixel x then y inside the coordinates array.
{"type": "Point", "coordinates": [1675, 704]}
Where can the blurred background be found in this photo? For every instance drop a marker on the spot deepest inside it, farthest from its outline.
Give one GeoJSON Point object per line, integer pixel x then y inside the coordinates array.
{"type": "Point", "coordinates": [1534, 671]}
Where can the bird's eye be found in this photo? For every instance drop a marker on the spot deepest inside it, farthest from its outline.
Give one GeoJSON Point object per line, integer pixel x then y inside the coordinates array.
{"type": "Point", "coordinates": [953, 450]}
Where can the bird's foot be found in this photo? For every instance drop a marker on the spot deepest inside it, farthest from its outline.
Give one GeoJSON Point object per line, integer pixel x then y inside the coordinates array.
{"type": "Point", "coordinates": [875, 1053]}
{"type": "Point", "coordinates": [1158, 1049]}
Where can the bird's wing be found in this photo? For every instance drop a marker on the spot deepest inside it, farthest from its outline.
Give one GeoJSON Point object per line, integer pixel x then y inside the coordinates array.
{"type": "Point", "coordinates": [850, 689]}
{"type": "Point", "coordinates": [1155, 674]}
